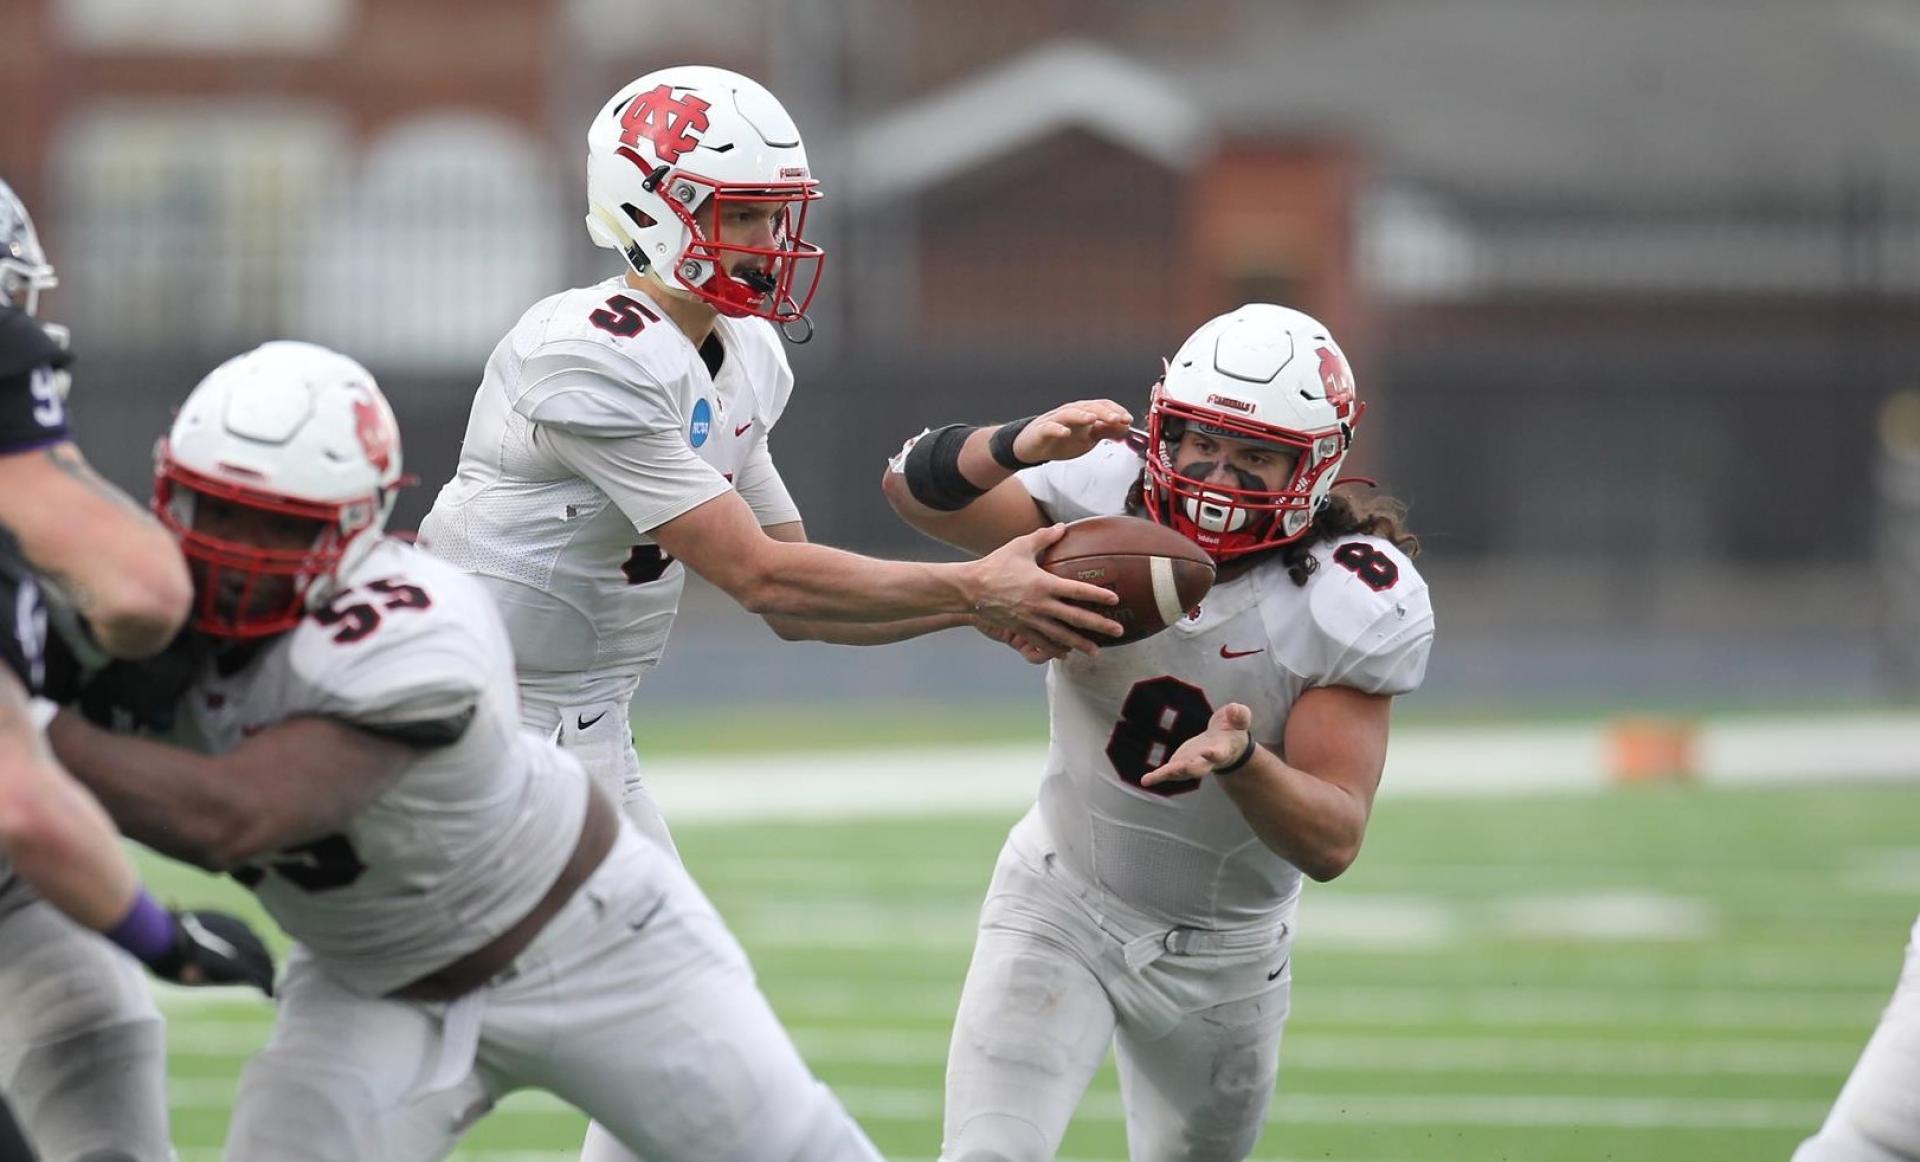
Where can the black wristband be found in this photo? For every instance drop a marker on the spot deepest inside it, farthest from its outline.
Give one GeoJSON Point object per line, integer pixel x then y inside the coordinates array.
{"type": "Point", "coordinates": [1001, 445]}
{"type": "Point", "coordinates": [932, 469]}
{"type": "Point", "coordinates": [1240, 760]}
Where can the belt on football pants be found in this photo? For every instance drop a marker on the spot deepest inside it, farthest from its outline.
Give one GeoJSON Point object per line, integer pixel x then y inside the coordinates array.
{"type": "Point", "coordinates": [597, 833]}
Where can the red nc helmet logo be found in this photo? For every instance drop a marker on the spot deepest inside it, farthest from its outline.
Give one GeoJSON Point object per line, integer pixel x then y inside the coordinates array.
{"type": "Point", "coordinates": [376, 435]}
{"type": "Point", "coordinates": [668, 123]}
{"type": "Point", "coordinates": [1336, 380]}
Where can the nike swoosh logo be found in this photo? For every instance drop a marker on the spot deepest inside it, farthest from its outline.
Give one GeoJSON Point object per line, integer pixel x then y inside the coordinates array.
{"type": "Point", "coordinates": [1283, 967]}
{"type": "Point", "coordinates": [581, 722]}
{"type": "Point", "coordinates": [637, 925]}
{"type": "Point", "coordinates": [1227, 653]}
{"type": "Point", "coordinates": [742, 429]}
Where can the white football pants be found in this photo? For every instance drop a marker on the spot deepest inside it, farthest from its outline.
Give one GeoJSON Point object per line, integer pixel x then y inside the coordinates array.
{"type": "Point", "coordinates": [1877, 1115]}
{"type": "Point", "coordinates": [1195, 1020]}
{"type": "Point", "coordinates": [601, 737]}
{"type": "Point", "coordinates": [634, 1005]}
{"type": "Point", "coordinates": [83, 1053]}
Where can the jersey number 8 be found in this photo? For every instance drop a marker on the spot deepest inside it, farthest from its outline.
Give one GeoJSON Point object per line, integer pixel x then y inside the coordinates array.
{"type": "Point", "coordinates": [1158, 715]}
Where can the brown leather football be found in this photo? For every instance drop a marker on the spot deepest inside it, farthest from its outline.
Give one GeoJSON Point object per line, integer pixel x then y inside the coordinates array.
{"type": "Point", "coordinates": [1158, 573]}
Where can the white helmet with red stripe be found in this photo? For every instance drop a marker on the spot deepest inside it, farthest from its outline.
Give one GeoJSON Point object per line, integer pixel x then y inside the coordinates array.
{"type": "Point", "coordinates": [1263, 373]}
{"type": "Point", "coordinates": [673, 152]}
{"type": "Point", "coordinates": [292, 429]}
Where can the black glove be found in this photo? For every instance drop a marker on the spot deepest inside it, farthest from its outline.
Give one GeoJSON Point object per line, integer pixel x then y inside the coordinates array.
{"type": "Point", "coordinates": [142, 696]}
{"type": "Point", "coordinates": [215, 948]}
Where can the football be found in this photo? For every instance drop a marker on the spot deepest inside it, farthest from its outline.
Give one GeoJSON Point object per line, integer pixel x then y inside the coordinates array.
{"type": "Point", "coordinates": [1158, 573]}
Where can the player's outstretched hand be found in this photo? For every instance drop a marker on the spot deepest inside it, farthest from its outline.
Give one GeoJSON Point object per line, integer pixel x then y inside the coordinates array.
{"type": "Point", "coordinates": [215, 948]}
{"type": "Point", "coordinates": [1219, 744]}
{"type": "Point", "coordinates": [1013, 593]}
{"type": "Point", "coordinates": [1071, 430]}
{"type": "Point", "coordinates": [1036, 652]}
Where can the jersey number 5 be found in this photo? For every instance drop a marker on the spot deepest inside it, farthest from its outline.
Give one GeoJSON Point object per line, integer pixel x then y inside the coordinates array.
{"type": "Point", "coordinates": [1158, 715]}
{"type": "Point", "coordinates": [623, 317]}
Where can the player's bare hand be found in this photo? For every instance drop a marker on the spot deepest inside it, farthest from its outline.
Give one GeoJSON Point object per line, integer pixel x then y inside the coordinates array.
{"type": "Point", "coordinates": [1071, 430]}
{"type": "Point", "coordinates": [1014, 593]}
{"type": "Point", "coordinates": [1036, 652]}
{"type": "Point", "coordinates": [1224, 739]}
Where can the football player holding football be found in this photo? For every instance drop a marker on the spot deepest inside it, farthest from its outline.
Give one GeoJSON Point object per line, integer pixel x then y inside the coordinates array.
{"type": "Point", "coordinates": [82, 1052]}
{"type": "Point", "coordinates": [1147, 900]}
{"type": "Point", "coordinates": [620, 436]}
{"type": "Point", "coordinates": [472, 915]}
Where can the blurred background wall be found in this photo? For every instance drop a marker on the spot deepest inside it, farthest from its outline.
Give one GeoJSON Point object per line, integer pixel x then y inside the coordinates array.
{"type": "Point", "coordinates": [1631, 286]}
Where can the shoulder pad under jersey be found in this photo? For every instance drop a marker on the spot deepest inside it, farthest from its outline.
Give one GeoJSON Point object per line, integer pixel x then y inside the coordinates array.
{"type": "Point", "coordinates": [601, 361]}
{"type": "Point", "coordinates": [1369, 623]}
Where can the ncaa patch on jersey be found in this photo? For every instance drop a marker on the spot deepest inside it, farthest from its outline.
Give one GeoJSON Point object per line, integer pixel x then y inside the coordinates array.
{"type": "Point", "coordinates": [702, 425]}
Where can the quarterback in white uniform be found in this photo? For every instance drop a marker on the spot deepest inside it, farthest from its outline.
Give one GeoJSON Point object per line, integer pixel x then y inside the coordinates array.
{"type": "Point", "coordinates": [1147, 899]}
{"type": "Point", "coordinates": [619, 436]}
{"type": "Point", "coordinates": [472, 915]}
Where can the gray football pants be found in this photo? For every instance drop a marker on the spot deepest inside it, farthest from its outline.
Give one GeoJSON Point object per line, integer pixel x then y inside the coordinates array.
{"type": "Point", "coordinates": [82, 1047]}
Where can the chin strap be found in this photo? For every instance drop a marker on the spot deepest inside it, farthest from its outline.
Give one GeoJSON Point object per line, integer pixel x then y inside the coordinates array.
{"type": "Point", "coordinates": [1369, 481]}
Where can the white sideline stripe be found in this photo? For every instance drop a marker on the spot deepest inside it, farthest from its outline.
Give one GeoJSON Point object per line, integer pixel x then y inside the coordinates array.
{"type": "Point", "coordinates": [896, 1103]}
{"type": "Point", "coordinates": [1430, 760]}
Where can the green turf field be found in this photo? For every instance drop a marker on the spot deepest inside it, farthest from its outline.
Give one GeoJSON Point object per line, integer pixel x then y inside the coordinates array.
{"type": "Point", "coordinates": [1656, 975]}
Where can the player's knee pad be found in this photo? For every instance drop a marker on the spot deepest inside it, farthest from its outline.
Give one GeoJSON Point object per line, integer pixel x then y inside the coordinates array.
{"type": "Point", "coordinates": [997, 1138]}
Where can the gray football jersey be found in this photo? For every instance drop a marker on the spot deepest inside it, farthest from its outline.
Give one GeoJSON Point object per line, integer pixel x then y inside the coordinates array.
{"type": "Point", "coordinates": [1183, 853]}
{"type": "Point", "coordinates": [23, 639]}
{"type": "Point", "coordinates": [469, 836]}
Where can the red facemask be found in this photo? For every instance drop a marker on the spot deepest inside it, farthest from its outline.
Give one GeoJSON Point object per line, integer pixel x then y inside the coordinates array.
{"type": "Point", "coordinates": [1231, 522]}
{"type": "Point", "coordinates": [243, 590]}
{"type": "Point", "coordinates": [789, 271]}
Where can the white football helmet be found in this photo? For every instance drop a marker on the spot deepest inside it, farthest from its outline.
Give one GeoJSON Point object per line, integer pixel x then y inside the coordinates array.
{"type": "Point", "coordinates": [24, 269]}
{"type": "Point", "coordinates": [1262, 373]}
{"type": "Point", "coordinates": [669, 154]}
{"type": "Point", "coordinates": [291, 429]}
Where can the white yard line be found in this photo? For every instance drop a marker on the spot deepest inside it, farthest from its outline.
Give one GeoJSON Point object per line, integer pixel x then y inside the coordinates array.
{"type": "Point", "coordinates": [1430, 760]}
